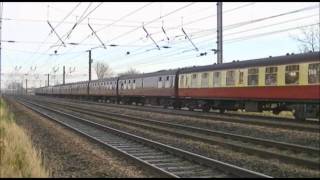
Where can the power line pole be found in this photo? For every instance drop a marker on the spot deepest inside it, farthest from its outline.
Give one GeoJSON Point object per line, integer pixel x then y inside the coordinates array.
{"type": "Point", "coordinates": [48, 79]}
{"type": "Point", "coordinates": [26, 86]}
{"type": "Point", "coordinates": [219, 33]}
{"type": "Point", "coordinates": [64, 75]}
{"type": "Point", "coordinates": [90, 61]}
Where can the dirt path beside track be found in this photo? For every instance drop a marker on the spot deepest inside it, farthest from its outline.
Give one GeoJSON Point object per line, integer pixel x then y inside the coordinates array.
{"type": "Point", "coordinates": [67, 154]}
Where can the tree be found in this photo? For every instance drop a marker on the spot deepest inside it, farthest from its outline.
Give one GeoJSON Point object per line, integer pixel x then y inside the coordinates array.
{"type": "Point", "coordinates": [309, 39]}
{"type": "Point", "coordinates": [131, 71]}
{"type": "Point", "coordinates": [103, 70]}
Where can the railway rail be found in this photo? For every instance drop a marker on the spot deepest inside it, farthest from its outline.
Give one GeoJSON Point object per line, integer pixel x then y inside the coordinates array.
{"type": "Point", "coordinates": [285, 123]}
{"type": "Point", "coordinates": [165, 160]}
{"type": "Point", "coordinates": [286, 152]}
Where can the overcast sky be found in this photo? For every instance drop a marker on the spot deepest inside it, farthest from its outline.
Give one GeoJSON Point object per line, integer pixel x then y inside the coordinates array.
{"type": "Point", "coordinates": [246, 35]}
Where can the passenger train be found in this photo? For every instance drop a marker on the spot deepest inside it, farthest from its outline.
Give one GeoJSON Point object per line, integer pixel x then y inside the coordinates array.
{"type": "Point", "coordinates": [284, 83]}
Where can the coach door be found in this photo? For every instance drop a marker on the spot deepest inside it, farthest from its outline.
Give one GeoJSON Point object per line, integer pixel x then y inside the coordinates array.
{"type": "Point", "coordinates": [160, 82]}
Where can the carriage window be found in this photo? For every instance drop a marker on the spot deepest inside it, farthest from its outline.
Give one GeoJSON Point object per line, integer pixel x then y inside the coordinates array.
{"type": "Point", "coordinates": [129, 81]}
{"type": "Point", "coordinates": [181, 81]}
{"type": "Point", "coordinates": [187, 81]}
{"type": "Point", "coordinates": [194, 80]}
{"type": "Point", "coordinates": [204, 79]}
{"type": "Point", "coordinates": [167, 78]}
{"type": "Point", "coordinates": [160, 78]}
{"type": "Point", "coordinates": [253, 76]}
{"type": "Point", "coordinates": [230, 79]}
{"type": "Point", "coordinates": [271, 76]}
{"type": "Point", "coordinates": [241, 77]}
{"type": "Point", "coordinates": [314, 73]}
{"type": "Point", "coordinates": [134, 81]}
{"type": "Point", "coordinates": [194, 76]}
{"type": "Point", "coordinates": [292, 74]}
{"type": "Point", "coordinates": [216, 79]}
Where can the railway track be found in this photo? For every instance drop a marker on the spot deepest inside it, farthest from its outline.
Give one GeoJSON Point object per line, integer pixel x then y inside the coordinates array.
{"type": "Point", "coordinates": [285, 152]}
{"type": "Point", "coordinates": [165, 160]}
{"type": "Point", "coordinates": [285, 123]}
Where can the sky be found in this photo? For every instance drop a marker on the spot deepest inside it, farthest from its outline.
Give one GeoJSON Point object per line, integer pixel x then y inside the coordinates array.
{"type": "Point", "coordinates": [250, 30]}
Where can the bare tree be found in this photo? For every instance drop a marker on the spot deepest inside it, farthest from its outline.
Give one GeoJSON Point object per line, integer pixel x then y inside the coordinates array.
{"type": "Point", "coordinates": [131, 71]}
{"type": "Point", "coordinates": [103, 70]}
{"type": "Point", "coordinates": [309, 39]}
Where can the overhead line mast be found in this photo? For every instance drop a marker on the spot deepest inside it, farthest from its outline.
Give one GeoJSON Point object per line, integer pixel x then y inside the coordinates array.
{"type": "Point", "coordinates": [219, 33]}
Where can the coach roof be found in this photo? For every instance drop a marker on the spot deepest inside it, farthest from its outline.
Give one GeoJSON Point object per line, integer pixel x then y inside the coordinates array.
{"type": "Point", "coordinates": [287, 59]}
{"type": "Point", "coordinates": [158, 73]}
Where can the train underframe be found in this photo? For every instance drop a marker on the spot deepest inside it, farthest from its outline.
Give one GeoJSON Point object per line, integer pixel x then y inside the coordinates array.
{"type": "Point", "coordinates": [300, 110]}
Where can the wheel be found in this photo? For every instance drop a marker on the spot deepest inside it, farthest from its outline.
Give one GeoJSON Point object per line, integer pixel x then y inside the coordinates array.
{"type": "Point", "coordinates": [176, 105]}
{"type": "Point", "coordinates": [206, 108]}
{"type": "Point", "coordinates": [276, 111]}
{"type": "Point", "coordinates": [299, 113]}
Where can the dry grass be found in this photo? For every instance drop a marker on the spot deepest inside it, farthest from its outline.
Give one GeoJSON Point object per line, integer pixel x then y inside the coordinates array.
{"type": "Point", "coordinates": [18, 158]}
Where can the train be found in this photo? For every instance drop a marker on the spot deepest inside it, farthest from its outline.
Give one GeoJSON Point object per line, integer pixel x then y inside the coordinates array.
{"type": "Point", "coordinates": [283, 83]}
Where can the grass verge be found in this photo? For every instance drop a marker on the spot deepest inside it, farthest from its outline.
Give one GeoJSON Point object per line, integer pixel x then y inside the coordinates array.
{"type": "Point", "coordinates": [18, 158]}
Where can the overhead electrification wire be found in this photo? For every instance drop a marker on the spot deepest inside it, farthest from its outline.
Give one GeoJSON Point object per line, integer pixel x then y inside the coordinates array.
{"type": "Point", "coordinates": [236, 25]}
{"type": "Point", "coordinates": [149, 22]}
{"type": "Point", "coordinates": [276, 23]}
{"type": "Point", "coordinates": [156, 19]}
{"type": "Point", "coordinates": [250, 22]}
{"type": "Point", "coordinates": [118, 20]}
{"type": "Point", "coordinates": [66, 36]}
{"type": "Point", "coordinates": [81, 18]}
{"type": "Point", "coordinates": [136, 21]}
{"type": "Point", "coordinates": [61, 21]}
{"type": "Point", "coordinates": [240, 24]}
{"type": "Point", "coordinates": [267, 33]}
{"type": "Point", "coordinates": [96, 24]}
{"type": "Point", "coordinates": [79, 21]}
{"type": "Point", "coordinates": [200, 19]}
{"type": "Point", "coordinates": [234, 40]}
{"type": "Point", "coordinates": [230, 10]}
